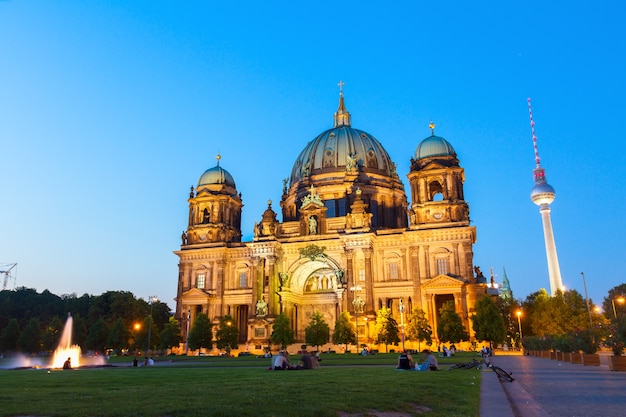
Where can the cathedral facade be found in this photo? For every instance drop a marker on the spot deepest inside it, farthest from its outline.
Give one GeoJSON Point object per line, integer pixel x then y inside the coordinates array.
{"type": "Point", "coordinates": [348, 241]}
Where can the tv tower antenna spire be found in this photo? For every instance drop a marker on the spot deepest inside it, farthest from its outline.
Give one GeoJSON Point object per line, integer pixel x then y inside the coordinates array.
{"type": "Point", "coordinates": [543, 195]}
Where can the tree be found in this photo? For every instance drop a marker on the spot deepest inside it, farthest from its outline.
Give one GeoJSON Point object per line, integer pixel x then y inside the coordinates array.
{"type": "Point", "coordinates": [282, 333]}
{"type": "Point", "coordinates": [118, 336]}
{"type": "Point", "coordinates": [555, 316]}
{"type": "Point", "coordinates": [201, 333]}
{"type": "Point", "coordinates": [344, 332]}
{"type": "Point", "coordinates": [51, 334]}
{"type": "Point", "coordinates": [80, 333]}
{"type": "Point", "coordinates": [614, 296]}
{"type": "Point", "coordinates": [10, 336]}
{"type": "Point", "coordinates": [144, 333]}
{"type": "Point", "coordinates": [450, 327]}
{"type": "Point", "coordinates": [227, 335]}
{"type": "Point", "coordinates": [418, 328]}
{"type": "Point", "coordinates": [30, 338]}
{"type": "Point", "coordinates": [317, 332]}
{"type": "Point", "coordinates": [386, 328]}
{"type": "Point", "coordinates": [98, 335]}
{"type": "Point", "coordinates": [508, 307]}
{"type": "Point", "coordinates": [488, 322]}
{"type": "Point", "coordinates": [170, 336]}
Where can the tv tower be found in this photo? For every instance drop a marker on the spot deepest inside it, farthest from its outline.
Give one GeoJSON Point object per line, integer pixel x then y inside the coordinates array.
{"type": "Point", "coordinates": [542, 195]}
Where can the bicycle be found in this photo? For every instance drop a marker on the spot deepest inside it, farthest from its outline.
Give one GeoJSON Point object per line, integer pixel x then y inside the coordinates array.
{"type": "Point", "coordinates": [466, 365]}
{"type": "Point", "coordinates": [502, 374]}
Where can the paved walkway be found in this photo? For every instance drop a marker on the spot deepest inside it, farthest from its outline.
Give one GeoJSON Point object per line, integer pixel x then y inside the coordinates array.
{"type": "Point", "coordinates": [547, 388]}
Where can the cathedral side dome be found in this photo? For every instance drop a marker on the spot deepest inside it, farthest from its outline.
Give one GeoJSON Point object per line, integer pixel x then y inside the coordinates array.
{"type": "Point", "coordinates": [434, 146]}
{"type": "Point", "coordinates": [216, 175]}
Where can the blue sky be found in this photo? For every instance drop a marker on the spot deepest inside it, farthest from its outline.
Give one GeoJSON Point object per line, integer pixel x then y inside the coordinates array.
{"type": "Point", "coordinates": [109, 111]}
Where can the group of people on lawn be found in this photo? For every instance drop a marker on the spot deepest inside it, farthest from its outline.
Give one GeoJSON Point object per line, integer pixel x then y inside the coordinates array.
{"type": "Point", "coordinates": [311, 360]}
{"type": "Point", "coordinates": [307, 361]}
{"type": "Point", "coordinates": [405, 362]}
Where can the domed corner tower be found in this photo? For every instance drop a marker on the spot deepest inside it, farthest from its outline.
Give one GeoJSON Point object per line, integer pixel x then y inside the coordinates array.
{"type": "Point", "coordinates": [214, 210]}
{"type": "Point", "coordinates": [436, 181]}
{"type": "Point", "coordinates": [322, 194]}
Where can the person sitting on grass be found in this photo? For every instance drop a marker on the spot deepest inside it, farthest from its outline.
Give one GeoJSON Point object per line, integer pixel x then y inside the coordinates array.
{"type": "Point", "coordinates": [309, 361]}
{"type": "Point", "coordinates": [430, 362]}
{"type": "Point", "coordinates": [405, 361]}
{"type": "Point", "coordinates": [281, 362]}
{"type": "Point", "coordinates": [67, 364]}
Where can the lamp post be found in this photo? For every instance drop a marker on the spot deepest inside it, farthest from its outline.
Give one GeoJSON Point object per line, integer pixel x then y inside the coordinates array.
{"type": "Point", "coordinates": [587, 299]}
{"type": "Point", "coordinates": [401, 308]}
{"type": "Point", "coordinates": [152, 299]}
{"type": "Point", "coordinates": [619, 300]}
{"type": "Point", "coordinates": [519, 325]}
{"type": "Point", "coordinates": [228, 324]}
{"type": "Point", "coordinates": [358, 304]}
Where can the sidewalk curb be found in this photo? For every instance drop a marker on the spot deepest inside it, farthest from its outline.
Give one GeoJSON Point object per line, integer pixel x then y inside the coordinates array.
{"type": "Point", "coordinates": [494, 402]}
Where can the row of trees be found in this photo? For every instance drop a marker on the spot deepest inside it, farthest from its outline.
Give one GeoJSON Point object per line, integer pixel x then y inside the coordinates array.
{"type": "Point", "coordinates": [387, 331]}
{"type": "Point", "coordinates": [32, 322]}
{"type": "Point", "coordinates": [567, 323]}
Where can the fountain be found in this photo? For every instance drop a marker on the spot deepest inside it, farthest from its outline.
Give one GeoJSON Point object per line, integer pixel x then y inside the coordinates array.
{"type": "Point", "coordinates": [65, 349]}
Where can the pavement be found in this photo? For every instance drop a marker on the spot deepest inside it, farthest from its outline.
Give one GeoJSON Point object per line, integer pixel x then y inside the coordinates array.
{"type": "Point", "coordinates": [549, 388]}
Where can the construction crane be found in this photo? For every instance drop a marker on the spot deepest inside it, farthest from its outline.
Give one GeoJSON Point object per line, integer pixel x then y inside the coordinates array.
{"type": "Point", "coordinates": [6, 270]}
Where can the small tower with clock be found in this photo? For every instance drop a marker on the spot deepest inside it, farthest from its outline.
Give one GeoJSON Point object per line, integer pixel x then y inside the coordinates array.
{"type": "Point", "coordinates": [436, 181]}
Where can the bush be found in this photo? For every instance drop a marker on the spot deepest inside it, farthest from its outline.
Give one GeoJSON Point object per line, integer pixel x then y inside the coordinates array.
{"type": "Point", "coordinates": [536, 343]}
{"type": "Point", "coordinates": [586, 340]}
{"type": "Point", "coordinates": [564, 343]}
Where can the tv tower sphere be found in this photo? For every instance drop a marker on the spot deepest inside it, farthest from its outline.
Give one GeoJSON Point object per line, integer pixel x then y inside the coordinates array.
{"type": "Point", "coordinates": [542, 193]}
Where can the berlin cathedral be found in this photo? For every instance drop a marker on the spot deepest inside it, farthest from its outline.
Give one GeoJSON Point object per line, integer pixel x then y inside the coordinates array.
{"type": "Point", "coordinates": [348, 240]}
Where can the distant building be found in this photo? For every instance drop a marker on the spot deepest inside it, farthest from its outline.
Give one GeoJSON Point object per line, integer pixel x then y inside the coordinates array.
{"type": "Point", "coordinates": [505, 290]}
{"type": "Point", "coordinates": [348, 239]}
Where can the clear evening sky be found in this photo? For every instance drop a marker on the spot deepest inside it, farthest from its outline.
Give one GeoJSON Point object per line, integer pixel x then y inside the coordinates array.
{"type": "Point", "coordinates": [110, 111]}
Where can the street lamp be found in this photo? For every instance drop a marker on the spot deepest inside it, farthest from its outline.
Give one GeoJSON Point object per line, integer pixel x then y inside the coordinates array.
{"type": "Point", "coordinates": [401, 308]}
{"type": "Point", "coordinates": [228, 324]}
{"type": "Point", "coordinates": [152, 299]}
{"type": "Point", "coordinates": [587, 299]}
{"type": "Point", "coordinates": [358, 304]}
{"type": "Point", "coordinates": [620, 300]}
{"type": "Point", "coordinates": [519, 324]}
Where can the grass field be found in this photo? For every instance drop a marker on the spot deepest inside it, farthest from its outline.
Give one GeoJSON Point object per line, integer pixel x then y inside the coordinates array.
{"type": "Point", "coordinates": [209, 386]}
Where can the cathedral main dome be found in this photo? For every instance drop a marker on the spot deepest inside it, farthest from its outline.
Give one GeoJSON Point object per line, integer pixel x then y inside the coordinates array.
{"type": "Point", "coordinates": [345, 168]}
{"type": "Point", "coordinates": [337, 148]}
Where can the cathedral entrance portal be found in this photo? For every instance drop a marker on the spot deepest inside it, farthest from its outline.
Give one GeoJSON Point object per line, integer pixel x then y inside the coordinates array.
{"type": "Point", "coordinates": [313, 287]}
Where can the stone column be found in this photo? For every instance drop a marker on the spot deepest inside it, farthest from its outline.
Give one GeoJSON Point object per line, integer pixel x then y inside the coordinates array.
{"type": "Point", "coordinates": [426, 263]}
{"type": "Point", "coordinates": [369, 281]}
{"type": "Point", "coordinates": [257, 288]}
{"type": "Point", "coordinates": [432, 314]}
{"type": "Point", "coordinates": [460, 269]}
{"type": "Point", "coordinates": [219, 286]}
{"type": "Point", "coordinates": [415, 274]}
{"type": "Point", "coordinates": [273, 286]}
{"type": "Point", "coordinates": [349, 279]}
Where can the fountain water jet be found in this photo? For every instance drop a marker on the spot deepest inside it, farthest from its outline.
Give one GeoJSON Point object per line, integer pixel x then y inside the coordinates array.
{"type": "Point", "coordinates": [65, 349]}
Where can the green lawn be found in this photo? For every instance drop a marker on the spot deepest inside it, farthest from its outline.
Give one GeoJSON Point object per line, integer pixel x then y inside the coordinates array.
{"type": "Point", "coordinates": [238, 387]}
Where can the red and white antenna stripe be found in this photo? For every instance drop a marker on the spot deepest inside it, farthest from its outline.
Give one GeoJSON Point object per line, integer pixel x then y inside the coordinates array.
{"type": "Point", "coordinates": [532, 129]}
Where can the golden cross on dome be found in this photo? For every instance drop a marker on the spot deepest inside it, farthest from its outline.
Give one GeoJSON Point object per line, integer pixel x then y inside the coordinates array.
{"type": "Point", "coordinates": [432, 127]}
{"type": "Point", "coordinates": [341, 83]}
{"type": "Point", "coordinates": [218, 157]}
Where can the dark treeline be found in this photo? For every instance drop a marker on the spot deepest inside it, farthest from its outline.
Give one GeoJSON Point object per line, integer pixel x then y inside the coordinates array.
{"type": "Point", "coordinates": [32, 322]}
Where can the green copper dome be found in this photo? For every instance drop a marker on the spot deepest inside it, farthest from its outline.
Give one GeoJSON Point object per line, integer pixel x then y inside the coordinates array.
{"type": "Point", "coordinates": [216, 175]}
{"type": "Point", "coordinates": [434, 146]}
